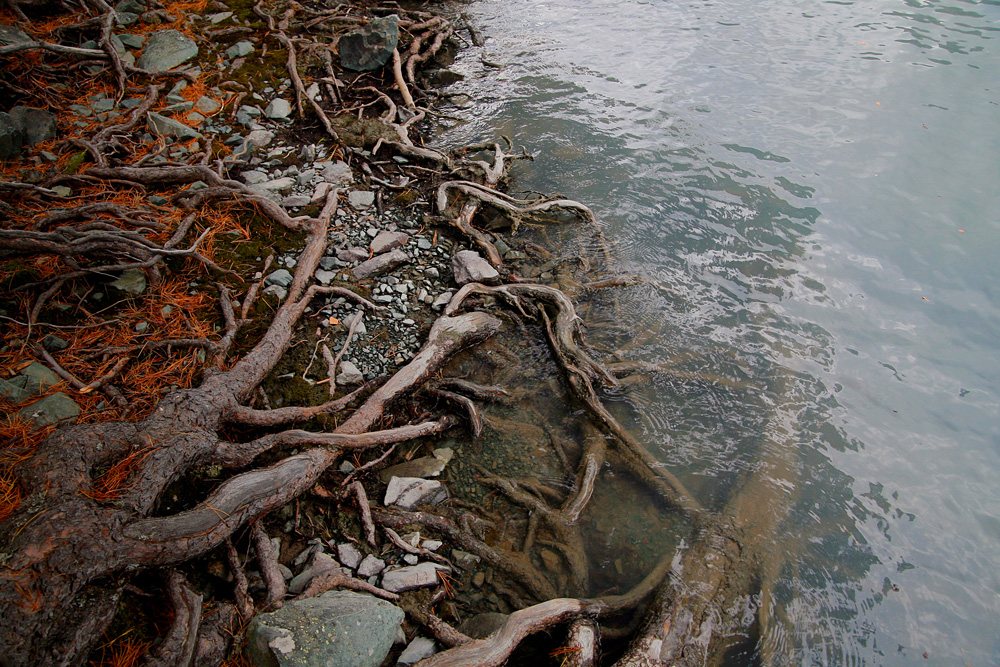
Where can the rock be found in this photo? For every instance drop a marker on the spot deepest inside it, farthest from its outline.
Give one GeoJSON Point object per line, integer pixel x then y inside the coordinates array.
{"type": "Point", "coordinates": [469, 267]}
{"type": "Point", "coordinates": [550, 560]}
{"type": "Point", "coordinates": [335, 173]}
{"type": "Point", "coordinates": [336, 629]}
{"type": "Point", "coordinates": [411, 577]}
{"type": "Point", "coordinates": [324, 276]}
{"type": "Point", "coordinates": [370, 566]}
{"type": "Point", "coordinates": [11, 137]}
{"type": "Point", "coordinates": [273, 188]}
{"type": "Point", "coordinates": [464, 559]}
{"type": "Point", "coordinates": [349, 555]}
{"type": "Point", "coordinates": [369, 47]}
{"type": "Point", "coordinates": [388, 240]}
{"type": "Point", "coordinates": [441, 300]}
{"type": "Point", "coordinates": [168, 127]}
{"type": "Point", "coordinates": [281, 277]}
{"type": "Point", "coordinates": [219, 17]}
{"type": "Point", "coordinates": [349, 374]}
{"type": "Point", "coordinates": [11, 36]}
{"type": "Point", "coordinates": [277, 291]}
{"type": "Point", "coordinates": [38, 125]}
{"type": "Point", "coordinates": [206, 105]}
{"type": "Point", "coordinates": [54, 343]}
{"type": "Point", "coordinates": [278, 109]}
{"type": "Point", "coordinates": [409, 492]}
{"type": "Point", "coordinates": [478, 579]}
{"type": "Point", "coordinates": [132, 281]}
{"type": "Point", "coordinates": [51, 409]}
{"type": "Point", "coordinates": [360, 199]}
{"type": "Point", "coordinates": [37, 378]}
{"type": "Point", "coordinates": [239, 49]}
{"type": "Point", "coordinates": [417, 650]}
{"type": "Point", "coordinates": [482, 626]}
{"type": "Point", "coordinates": [425, 466]}
{"type": "Point", "coordinates": [380, 264]}
{"type": "Point", "coordinates": [247, 115]}
{"type": "Point", "coordinates": [352, 254]}
{"type": "Point", "coordinates": [132, 41]}
{"type": "Point", "coordinates": [12, 392]}
{"type": "Point", "coordinates": [260, 138]}
{"type": "Point", "coordinates": [167, 49]}
{"type": "Point", "coordinates": [296, 201]}
{"type": "Point", "coordinates": [320, 563]}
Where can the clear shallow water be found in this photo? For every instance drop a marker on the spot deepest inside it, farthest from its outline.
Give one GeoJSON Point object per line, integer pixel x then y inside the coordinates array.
{"type": "Point", "coordinates": [812, 190]}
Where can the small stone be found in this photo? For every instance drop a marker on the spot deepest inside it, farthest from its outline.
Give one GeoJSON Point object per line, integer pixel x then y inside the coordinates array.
{"type": "Point", "coordinates": [469, 267]}
{"type": "Point", "coordinates": [409, 492]}
{"type": "Point", "coordinates": [240, 49]}
{"type": "Point", "coordinates": [281, 278]}
{"type": "Point", "coordinates": [335, 173]}
{"type": "Point", "coordinates": [360, 199]}
{"type": "Point", "coordinates": [296, 201]}
{"type": "Point", "coordinates": [278, 109]}
{"type": "Point", "coordinates": [38, 125]}
{"type": "Point", "coordinates": [277, 291]}
{"type": "Point", "coordinates": [132, 41]}
{"type": "Point", "coordinates": [324, 277]}
{"type": "Point", "coordinates": [11, 137]}
{"type": "Point", "coordinates": [423, 244]}
{"type": "Point", "coordinates": [349, 555]}
{"type": "Point", "coordinates": [385, 241]}
{"type": "Point", "coordinates": [417, 650]}
{"type": "Point", "coordinates": [37, 378]}
{"type": "Point", "coordinates": [349, 374]}
{"type": "Point", "coordinates": [206, 105]}
{"type": "Point", "coordinates": [442, 300]}
{"type": "Point", "coordinates": [431, 545]}
{"type": "Point", "coordinates": [410, 559]}
{"type": "Point", "coordinates": [132, 281]}
{"type": "Point", "coordinates": [219, 17]}
{"type": "Point", "coordinates": [320, 563]}
{"type": "Point", "coordinates": [254, 177]}
{"type": "Point", "coordinates": [464, 559]}
{"type": "Point", "coordinates": [168, 127]}
{"type": "Point", "coordinates": [411, 577]}
{"type": "Point", "coordinates": [478, 579]}
{"type": "Point", "coordinates": [370, 566]}
{"type": "Point", "coordinates": [320, 193]}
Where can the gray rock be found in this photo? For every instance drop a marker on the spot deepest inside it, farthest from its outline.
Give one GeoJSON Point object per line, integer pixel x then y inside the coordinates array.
{"type": "Point", "coordinates": [247, 115]}
{"type": "Point", "coordinates": [206, 105]}
{"type": "Point", "coordinates": [336, 629]}
{"type": "Point", "coordinates": [411, 577]}
{"type": "Point", "coordinates": [36, 378]}
{"type": "Point", "coordinates": [11, 137]}
{"type": "Point", "coordinates": [239, 49]}
{"type": "Point", "coordinates": [360, 199]}
{"type": "Point", "coordinates": [12, 392]}
{"type": "Point", "coordinates": [132, 281]}
{"type": "Point", "coordinates": [417, 650]}
{"type": "Point", "coordinates": [38, 125]}
{"type": "Point", "coordinates": [277, 291]}
{"type": "Point", "coordinates": [324, 276]}
{"type": "Point", "coordinates": [380, 264]}
{"type": "Point", "coordinates": [296, 201]}
{"type": "Point", "coordinates": [320, 563]}
{"type": "Point", "coordinates": [11, 36]}
{"type": "Point", "coordinates": [132, 41]}
{"type": "Point", "coordinates": [335, 173]}
{"type": "Point", "coordinates": [168, 127]}
{"type": "Point", "coordinates": [278, 109]}
{"type": "Point", "coordinates": [260, 138]}
{"type": "Point", "coordinates": [273, 188]}
{"type": "Point", "coordinates": [349, 555]}
{"type": "Point", "coordinates": [410, 492]}
{"type": "Point", "coordinates": [370, 566]}
{"type": "Point", "coordinates": [388, 240]}
{"type": "Point", "coordinates": [254, 177]}
{"type": "Point", "coordinates": [469, 267]}
{"type": "Point", "coordinates": [51, 409]}
{"type": "Point", "coordinates": [482, 626]}
{"type": "Point", "coordinates": [281, 278]}
{"type": "Point", "coordinates": [441, 300]}
{"type": "Point", "coordinates": [349, 374]}
{"type": "Point", "coordinates": [464, 559]}
{"type": "Point", "coordinates": [54, 343]}
{"type": "Point", "coordinates": [369, 47]}
{"type": "Point", "coordinates": [167, 49]}
{"type": "Point", "coordinates": [220, 17]}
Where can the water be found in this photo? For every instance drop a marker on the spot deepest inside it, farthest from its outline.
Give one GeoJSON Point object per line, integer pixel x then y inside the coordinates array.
{"type": "Point", "coordinates": [811, 191]}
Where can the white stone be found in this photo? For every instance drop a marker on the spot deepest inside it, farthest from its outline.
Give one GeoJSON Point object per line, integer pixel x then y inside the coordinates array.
{"type": "Point", "coordinates": [409, 492]}
{"type": "Point", "coordinates": [349, 374]}
{"type": "Point", "coordinates": [411, 577]}
{"type": "Point", "coordinates": [349, 555]}
{"type": "Point", "coordinates": [278, 109]}
{"type": "Point", "coordinates": [325, 277]}
{"type": "Point", "coordinates": [419, 648]}
{"type": "Point", "coordinates": [469, 267]}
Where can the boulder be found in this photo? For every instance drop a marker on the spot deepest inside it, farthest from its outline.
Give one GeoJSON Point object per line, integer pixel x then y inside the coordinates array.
{"type": "Point", "coordinates": [11, 137]}
{"type": "Point", "coordinates": [371, 46]}
{"type": "Point", "coordinates": [51, 409]}
{"type": "Point", "coordinates": [410, 492]}
{"type": "Point", "coordinates": [336, 629]}
{"type": "Point", "coordinates": [469, 267]}
{"type": "Point", "coordinates": [380, 264]}
{"type": "Point", "coordinates": [38, 125]}
{"type": "Point", "coordinates": [167, 49]}
{"type": "Point", "coordinates": [411, 577]}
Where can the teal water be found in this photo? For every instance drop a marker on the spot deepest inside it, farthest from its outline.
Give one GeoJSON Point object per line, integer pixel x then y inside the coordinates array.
{"type": "Point", "coordinates": [813, 187]}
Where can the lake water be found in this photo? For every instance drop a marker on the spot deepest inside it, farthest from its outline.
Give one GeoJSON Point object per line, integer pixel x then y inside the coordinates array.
{"type": "Point", "coordinates": [811, 189]}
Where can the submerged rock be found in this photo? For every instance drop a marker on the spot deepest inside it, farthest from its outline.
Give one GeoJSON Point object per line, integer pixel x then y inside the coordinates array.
{"type": "Point", "coordinates": [338, 628]}
{"type": "Point", "coordinates": [371, 46]}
